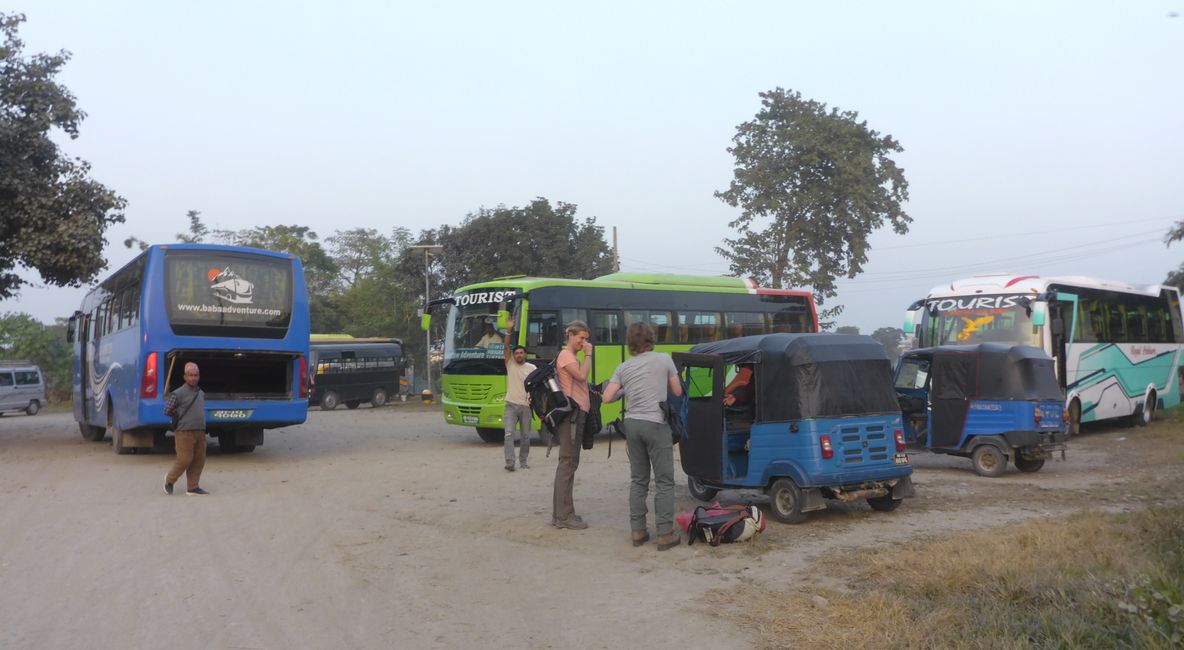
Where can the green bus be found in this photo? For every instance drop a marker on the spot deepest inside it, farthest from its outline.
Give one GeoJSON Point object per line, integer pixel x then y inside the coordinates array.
{"type": "Point", "coordinates": [684, 310]}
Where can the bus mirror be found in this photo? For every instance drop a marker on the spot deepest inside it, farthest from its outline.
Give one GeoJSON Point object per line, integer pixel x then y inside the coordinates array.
{"type": "Point", "coordinates": [71, 328]}
{"type": "Point", "coordinates": [425, 322]}
{"type": "Point", "coordinates": [503, 319]}
{"type": "Point", "coordinates": [1039, 313]}
{"type": "Point", "coordinates": [908, 321]}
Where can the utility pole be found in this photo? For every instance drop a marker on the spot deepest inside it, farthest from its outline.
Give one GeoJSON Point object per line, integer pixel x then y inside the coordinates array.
{"type": "Point", "coordinates": [428, 250]}
{"type": "Point", "coordinates": [616, 254]}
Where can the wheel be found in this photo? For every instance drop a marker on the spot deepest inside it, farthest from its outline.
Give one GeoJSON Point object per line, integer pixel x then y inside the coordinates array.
{"type": "Point", "coordinates": [227, 443]}
{"type": "Point", "coordinates": [33, 407]}
{"type": "Point", "coordinates": [378, 398]}
{"type": "Point", "coordinates": [785, 502]}
{"type": "Point", "coordinates": [1145, 413]}
{"type": "Point", "coordinates": [244, 449]}
{"type": "Point", "coordinates": [352, 404]}
{"type": "Point", "coordinates": [885, 503]}
{"type": "Point", "coordinates": [1025, 465]}
{"type": "Point", "coordinates": [1074, 417]}
{"type": "Point", "coordinates": [989, 460]}
{"type": "Point", "coordinates": [700, 491]}
{"type": "Point", "coordinates": [93, 434]}
{"type": "Point", "coordinates": [329, 401]}
{"type": "Point", "coordinates": [491, 435]}
{"type": "Point", "coordinates": [116, 435]}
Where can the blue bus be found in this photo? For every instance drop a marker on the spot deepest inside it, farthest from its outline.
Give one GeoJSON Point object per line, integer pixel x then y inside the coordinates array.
{"type": "Point", "coordinates": [240, 313]}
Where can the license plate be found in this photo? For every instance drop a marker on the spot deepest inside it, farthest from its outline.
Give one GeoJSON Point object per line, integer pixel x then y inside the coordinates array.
{"type": "Point", "coordinates": [901, 459]}
{"type": "Point", "coordinates": [469, 419]}
{"type": "Point", "coordinates": [231, 414]}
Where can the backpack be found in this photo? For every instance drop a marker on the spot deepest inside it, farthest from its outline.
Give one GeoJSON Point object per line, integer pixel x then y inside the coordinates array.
{"type": "Point", "coordinates": [592, 423]}
{"type": "Point", "coordinates": [674, 409]}
{"type": "Point", "coordinates": [547, 399]}
{"type": "Point", "coordinates": [722, 524]}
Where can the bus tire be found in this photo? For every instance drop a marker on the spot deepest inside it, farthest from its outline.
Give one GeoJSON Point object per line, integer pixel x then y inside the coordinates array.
{"type": "Point", "coordinates": [227, 443]}
{"type": "Point", "coordinates": [33, 407]}
{"type": "Point", "coordinates": [1075, 417]}
{"type": "Point", "coordinates": [329, 401]}
{"type": "Point", "coordinates": [116, 435]}
{"type": "Point", "coordinates": [352, 404]}
{"type": "Point", "coordinates": [244, 449]}
{"type": "Point", "coordinates": [989, 460]}
{"type": "Point", "coordinates": [1145, 413]}
{"type": "Point", "coordinates": [378, 398]}
{"type": "Point", "coordinates": [93, 434]}
{"type": "Point", "coordinates": [785, 502]}
{"type": "Point", "coordinates": [885, 503]}
{"type": "Point", "coordinates": [491, 435]}
{"type": "Point", "coordinates": [700, 491]}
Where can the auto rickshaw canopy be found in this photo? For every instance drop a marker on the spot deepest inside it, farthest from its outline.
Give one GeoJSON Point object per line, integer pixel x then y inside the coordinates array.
{"type": "Point", "coordinates": [992, 371]}
{"type": "Point", "coordinates": [800, 376]}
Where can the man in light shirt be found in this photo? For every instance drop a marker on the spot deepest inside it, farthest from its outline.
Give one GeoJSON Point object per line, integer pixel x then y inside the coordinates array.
{"type": "Point", "coordinates": [517, 415]}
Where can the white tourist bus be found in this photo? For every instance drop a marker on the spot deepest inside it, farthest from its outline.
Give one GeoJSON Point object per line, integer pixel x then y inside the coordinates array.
{"type": "Point", "coordinates": [1117, 346]}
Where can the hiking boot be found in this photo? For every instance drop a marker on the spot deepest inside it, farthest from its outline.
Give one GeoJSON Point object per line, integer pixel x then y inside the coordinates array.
{"type": "Point", "coordinates": [509, 465]}
{"type": "Point", "coordinates": [168, 488]}
{"type": "Point", "coordinates": [640, 537]}
{"type": "Point", "coordinates": [668, 541]}
{"type": "Point", "coordinates": [196, 492]}
{"type": "Point", "coordinates": [573, 524]}
{"type": "Point", "coordinates": [555, 522]}
{"type": "Point", "coordinates": [523, 465]}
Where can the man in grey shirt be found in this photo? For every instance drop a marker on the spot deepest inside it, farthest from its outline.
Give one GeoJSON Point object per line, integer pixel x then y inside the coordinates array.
{"type": "Point", "coordinates": [644, 381]}
{"type": "Point", "coordinates": [189, 403]}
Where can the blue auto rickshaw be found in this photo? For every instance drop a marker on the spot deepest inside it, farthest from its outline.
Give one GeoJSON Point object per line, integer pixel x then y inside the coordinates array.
{"type": "Point", "coordinates": [987, 402]}
{"type": "Point", "coordinates": [821, 422]}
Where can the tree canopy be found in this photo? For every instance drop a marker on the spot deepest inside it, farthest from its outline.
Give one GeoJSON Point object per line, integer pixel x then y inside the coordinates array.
{"type": "Point", "coordinates": [889, 337]}
{"type": "Point", "coordinates": [54, 215]}
{"type": "Point", "coordinates": [23, 337]}
{"type": "Point", "coordinates": [811, 183]}
{"type": "Point", "coordinates": [1175, 277]}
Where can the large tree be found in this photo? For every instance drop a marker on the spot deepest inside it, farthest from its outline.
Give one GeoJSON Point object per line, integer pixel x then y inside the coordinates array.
{"type": "Point", "coordinates": [24, 337]}
{"type": "Point", "coordinates": [538, 240]}
{"type": "Point", "coordinates": [1176, 277]}
{"type": "Point", "coordinates": [53, 216]}
{"type": "Point", "coordinates": [811, 183]}
{"type": "Point", "coordinates": [890, 338]}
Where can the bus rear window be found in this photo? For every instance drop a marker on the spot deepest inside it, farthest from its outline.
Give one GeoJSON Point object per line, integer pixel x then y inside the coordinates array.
{"type": "Point", "coordinates": [228, 295]}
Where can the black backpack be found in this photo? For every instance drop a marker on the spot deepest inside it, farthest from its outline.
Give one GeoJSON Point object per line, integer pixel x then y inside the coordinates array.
{"type": "Point", "coordinates": [547, 399]}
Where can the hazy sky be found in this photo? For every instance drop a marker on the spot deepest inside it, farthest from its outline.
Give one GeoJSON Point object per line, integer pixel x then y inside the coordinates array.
{"type": "Point", "coordinates": [1040, 137]}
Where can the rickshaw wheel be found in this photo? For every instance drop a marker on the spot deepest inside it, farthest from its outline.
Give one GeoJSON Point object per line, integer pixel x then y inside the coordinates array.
{"type": "Point", "coordinates": [1025, 465]}
{"type": "Point", "coordinates": [785, 502]}
{"type": "Point", "coordinates": [989, 460]}
{"type": "Point", "coordinates": [700, 491]}
{"type": "Point", "coordinates": [885, 503]}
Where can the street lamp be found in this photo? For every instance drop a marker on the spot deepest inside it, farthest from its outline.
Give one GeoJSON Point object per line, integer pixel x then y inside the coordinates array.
{"type": "Point", "coordinates": [428, 251]}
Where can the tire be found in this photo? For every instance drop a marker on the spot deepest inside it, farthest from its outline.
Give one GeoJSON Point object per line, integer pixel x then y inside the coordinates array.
{"type": "Point", "coordinates": [33, 407]}
{"type": "Point", "coordinates": [1029, 466]}
{"type": "Point", "coordinates": [244, 449]}
{"type": "Point", "coordinates": [329, 401]}
{"type": "Point", "coordinates": [491, 435]}
{"type": "Point", "coordinates": [1075, 417]}
{"type": "Point", "coordinates": [1145, 413]}
{"type": "Point", "coordinates": [93, 434]}
{"type": "Point", "coordinates": [352, 404]}
{"type": "Point", "coordinates": [700, 491]}
{"type": "Point", "coordinates": [379, 398]}
{"type": "Point", "coordinates": [989, 460]}
{"type": "Point", "coordinates": [785, 502]}
{"type": "Point", "coordinates": [227, 444]}
{"type": "Point", "coordinates": [885, 503]}
{"type": "Point", "coordinates": [116, 435]}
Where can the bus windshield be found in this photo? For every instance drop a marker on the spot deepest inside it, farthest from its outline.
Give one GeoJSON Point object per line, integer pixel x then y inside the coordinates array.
{"type": "Point", "coordinates": [978, 319]}
{"type": "Point", "coordinates": [208, 291]}
{"type": "Point", "coordinates": [472, 333]}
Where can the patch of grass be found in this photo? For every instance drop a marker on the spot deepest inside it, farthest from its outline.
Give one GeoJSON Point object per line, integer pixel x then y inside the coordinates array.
{"type": "Point", "coordinates": [1086, 581]}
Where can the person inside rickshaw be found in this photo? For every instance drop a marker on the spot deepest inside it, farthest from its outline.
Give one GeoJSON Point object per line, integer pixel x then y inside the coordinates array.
{"type": "Point", "coordinates": [739, 396]}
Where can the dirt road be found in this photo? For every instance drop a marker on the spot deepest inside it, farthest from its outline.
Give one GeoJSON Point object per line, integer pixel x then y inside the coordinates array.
{"type": "Point", "coordinates": [386, 528]}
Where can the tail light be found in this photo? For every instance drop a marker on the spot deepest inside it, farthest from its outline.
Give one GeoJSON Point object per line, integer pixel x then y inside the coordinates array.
{"type": "Point", "coordinates": [148, 381]}
{"type": "Point", "coordinates": [828, 451]}
{"type": "Point", "coordinates": [899, 435]}
{"type": "Point", "coordinates": [302, 379]}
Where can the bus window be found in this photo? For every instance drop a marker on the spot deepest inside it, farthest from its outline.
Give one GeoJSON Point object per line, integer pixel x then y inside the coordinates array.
{"type": "Point", "coordinates": [793, 320]}
{"type": "Point", "coordinates": [744, 324]}
{"type": "Point", "coordinates": [698, 326]}
{"type": "Point", "coordinates": [606, 328]}
{"type": "Point", "coordinates": [542, 329]}
{"type": "Point", "coordinates": [1116, 324]}
{"type": "Point", "coordinates": [1136, 324]}
{"type": "Point", "coordinates": [660, 320]}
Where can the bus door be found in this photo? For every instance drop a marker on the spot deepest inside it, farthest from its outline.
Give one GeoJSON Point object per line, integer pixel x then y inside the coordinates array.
{"type": "Point", "coordinates": [83, 337]}
{"type": "Point", "coordinates": [1062, 327]}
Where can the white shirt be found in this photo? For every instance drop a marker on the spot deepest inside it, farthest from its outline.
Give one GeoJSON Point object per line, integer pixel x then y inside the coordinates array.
{"type": "Point", "coordinates": [516, 382]}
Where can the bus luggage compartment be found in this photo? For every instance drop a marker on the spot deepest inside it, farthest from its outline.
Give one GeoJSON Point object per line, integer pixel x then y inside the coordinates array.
{"type": "Point", "coordinates": [237, 374]}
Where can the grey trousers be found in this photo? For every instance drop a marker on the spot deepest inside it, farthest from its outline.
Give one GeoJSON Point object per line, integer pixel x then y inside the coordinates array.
{"type": "Point", "coordinates": [562, 507]}
{"type": "Point", "coordinates": [517, 417]}
{"type": "Point", "coordinates": [650, 445]}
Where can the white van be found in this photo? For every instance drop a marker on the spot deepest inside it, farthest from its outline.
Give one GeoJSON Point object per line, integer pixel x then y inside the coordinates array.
{"type": "Point", "coordinates": [22, 388]}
